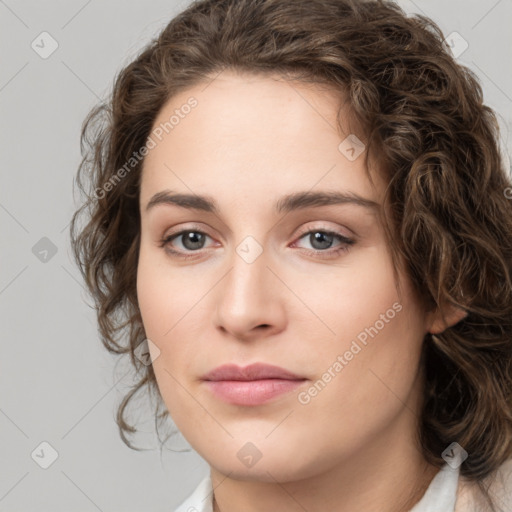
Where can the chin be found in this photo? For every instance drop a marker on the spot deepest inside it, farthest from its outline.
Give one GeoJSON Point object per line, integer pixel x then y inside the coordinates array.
{"type": "Point", "coordinates": [278, 465]}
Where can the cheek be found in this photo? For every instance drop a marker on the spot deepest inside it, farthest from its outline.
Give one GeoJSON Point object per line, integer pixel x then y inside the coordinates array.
{"type": "Point", "coordinates": [168, 302]}
{"type": "Point", "coordinates": [151, 299]}
{"type": "Point", "coordinates": [158, 304]}
{"type": "Point", "coordinates": [352, 298]}
{"type": "Point", "coordinates": [386, 324]}
{"type": "Point", "coordinates": [162, 294]}
{"type": "Point", "coordinates": [378, 333]}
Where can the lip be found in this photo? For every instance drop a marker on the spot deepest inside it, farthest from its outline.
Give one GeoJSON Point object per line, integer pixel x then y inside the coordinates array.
{"type": "Point", "coordinates": [255, 371]}
{"type": "Point", "coordinates": [255, 384]}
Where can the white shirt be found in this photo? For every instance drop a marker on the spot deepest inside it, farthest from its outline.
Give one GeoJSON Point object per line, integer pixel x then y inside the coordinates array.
{"type": "Point", "coordinates": [446, 493]}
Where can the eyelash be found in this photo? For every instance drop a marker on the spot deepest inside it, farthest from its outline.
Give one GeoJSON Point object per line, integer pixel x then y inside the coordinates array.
{"type": "Point", "coordinates": [346, 243]}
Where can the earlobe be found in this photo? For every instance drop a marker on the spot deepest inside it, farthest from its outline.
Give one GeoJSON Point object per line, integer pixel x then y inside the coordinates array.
{"type": "Point", "coordinates": [436, 324]}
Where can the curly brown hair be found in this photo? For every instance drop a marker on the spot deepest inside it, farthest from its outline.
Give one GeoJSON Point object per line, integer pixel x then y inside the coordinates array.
{"type": "Point", "coordinates": [435, 142]}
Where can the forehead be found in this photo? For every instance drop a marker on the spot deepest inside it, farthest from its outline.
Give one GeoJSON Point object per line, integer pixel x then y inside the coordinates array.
{"type": "Point", "coordinates": [259, 133]}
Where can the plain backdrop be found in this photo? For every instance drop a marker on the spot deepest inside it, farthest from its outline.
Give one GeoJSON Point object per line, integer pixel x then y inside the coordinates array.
{"type": "Point", "coordinates": [58, 385]}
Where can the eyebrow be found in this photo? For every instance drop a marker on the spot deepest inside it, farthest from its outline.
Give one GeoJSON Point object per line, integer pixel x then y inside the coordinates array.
{"type": "Point", "coordinates": [290, 202]}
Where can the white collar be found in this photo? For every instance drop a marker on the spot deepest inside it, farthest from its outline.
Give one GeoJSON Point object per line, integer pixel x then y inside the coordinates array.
{"type": "Point", "coordinates": [440, 495]}
{"type": "Point", "coordinates": [201, 500]}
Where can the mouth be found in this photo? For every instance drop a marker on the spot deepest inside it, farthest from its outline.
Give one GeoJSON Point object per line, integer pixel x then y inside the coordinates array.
{"type": "Point", "coordinates": [255, 384]}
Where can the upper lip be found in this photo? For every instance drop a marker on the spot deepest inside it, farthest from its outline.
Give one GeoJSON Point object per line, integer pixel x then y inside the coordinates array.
{"type": "Point", "coordinates": [254, 371]}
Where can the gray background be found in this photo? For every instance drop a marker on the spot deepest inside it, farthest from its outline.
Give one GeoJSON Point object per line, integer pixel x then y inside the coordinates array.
{"type": "Point", "coordinates": [57, 382]}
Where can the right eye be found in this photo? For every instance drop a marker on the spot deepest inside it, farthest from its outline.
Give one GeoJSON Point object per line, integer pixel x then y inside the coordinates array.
{"type": "Point", "coordinates": [192, 240]}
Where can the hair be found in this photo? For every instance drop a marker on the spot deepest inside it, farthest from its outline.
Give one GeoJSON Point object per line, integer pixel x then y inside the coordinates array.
{"type": "Point", "coordinates": [437, 146]}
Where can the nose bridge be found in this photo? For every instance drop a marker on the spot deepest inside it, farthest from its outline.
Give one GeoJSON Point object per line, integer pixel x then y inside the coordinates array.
{"type": "Point", "coordinates": [248, 297]}
{"type": "Point", "coordinates": [247, 282]}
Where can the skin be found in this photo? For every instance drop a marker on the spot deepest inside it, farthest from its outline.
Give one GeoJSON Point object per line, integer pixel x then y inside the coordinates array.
{"type": "Point", "coordinates": [249, 141]}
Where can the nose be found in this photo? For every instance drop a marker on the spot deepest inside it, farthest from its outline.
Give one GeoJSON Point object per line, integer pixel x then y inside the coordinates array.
{"type": "Point", "coordinates": [250, 299]}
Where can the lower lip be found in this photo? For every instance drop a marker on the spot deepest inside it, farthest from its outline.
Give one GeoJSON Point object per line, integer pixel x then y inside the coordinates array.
{"type": "Point", "coordinates": [251, 392]}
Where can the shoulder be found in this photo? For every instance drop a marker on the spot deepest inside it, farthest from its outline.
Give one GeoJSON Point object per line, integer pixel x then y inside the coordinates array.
{"type": "Point", "coordinates": [499, 484]}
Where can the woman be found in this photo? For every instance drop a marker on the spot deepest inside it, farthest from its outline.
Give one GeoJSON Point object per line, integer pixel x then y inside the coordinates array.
{"type": "Point", "coordinates": [300, 210]}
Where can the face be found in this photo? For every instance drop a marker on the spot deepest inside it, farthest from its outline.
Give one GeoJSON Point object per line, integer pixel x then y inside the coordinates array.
{"type": "Point", "coordinates": [272, 267]}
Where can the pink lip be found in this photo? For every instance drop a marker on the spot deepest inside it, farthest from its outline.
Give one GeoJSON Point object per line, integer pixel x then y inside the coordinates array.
{"type": "Point", "coordinates": [252, 385]}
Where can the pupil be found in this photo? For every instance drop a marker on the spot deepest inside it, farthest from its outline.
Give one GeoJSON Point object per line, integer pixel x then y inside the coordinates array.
{"type": "Point", "coordinates": [193, 240]}
{"type": "Point", "coordinates": [320, 237]}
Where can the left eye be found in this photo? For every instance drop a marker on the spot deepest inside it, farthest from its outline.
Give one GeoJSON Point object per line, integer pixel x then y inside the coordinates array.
{"type": "Point", "coordinates": [322, 239]}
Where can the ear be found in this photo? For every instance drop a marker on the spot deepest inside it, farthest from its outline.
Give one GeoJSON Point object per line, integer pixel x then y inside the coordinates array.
{"type": "Point", "coordinates": [436, 324]}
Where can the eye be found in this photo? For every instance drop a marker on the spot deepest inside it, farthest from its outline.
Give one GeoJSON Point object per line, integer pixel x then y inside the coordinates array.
{"type": "Point", "coordinates": [322, 241]}
{"type": "Point", "coordinates": [192, 240]}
